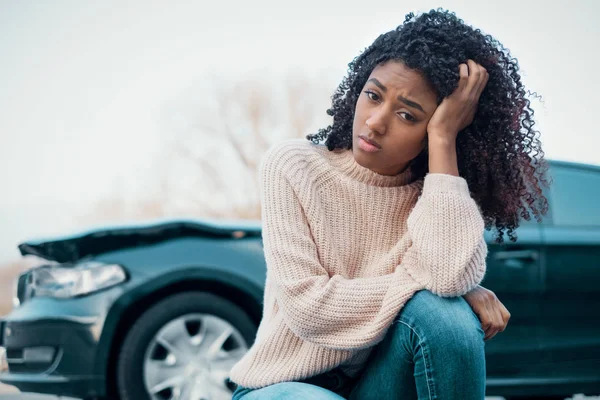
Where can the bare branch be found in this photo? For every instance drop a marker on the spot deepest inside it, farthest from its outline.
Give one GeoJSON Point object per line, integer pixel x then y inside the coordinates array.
{"type": "Point", "coordinates": [244, 119]}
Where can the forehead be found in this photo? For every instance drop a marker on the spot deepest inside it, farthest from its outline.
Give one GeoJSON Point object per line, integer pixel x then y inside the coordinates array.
{"type": "Point", "coordinates": [400, 79]}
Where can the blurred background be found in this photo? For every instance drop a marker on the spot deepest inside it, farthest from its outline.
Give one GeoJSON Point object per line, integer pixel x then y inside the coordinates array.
{"type": "Point", "coordinates": [118, 111]}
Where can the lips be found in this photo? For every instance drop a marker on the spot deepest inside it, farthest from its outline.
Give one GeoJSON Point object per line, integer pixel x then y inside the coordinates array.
{"type": "Point", "coordinates": [374, 143]}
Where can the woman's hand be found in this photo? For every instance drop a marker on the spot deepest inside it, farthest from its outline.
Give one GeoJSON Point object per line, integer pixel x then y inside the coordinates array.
{"type": "Point", "coordinates": [492, 314]}
{"type": "Point", "coordinates": [457, 111]}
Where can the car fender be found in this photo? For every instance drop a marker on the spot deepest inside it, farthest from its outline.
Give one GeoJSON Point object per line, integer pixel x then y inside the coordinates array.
{"type": "Point", "coordinates": [125, 310]}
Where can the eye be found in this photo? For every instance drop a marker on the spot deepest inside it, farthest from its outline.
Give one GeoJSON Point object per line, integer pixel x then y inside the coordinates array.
{"type": "Point", "coordinates": [408, 117]}
{"type": "Point", "coordinates": [372, 95]}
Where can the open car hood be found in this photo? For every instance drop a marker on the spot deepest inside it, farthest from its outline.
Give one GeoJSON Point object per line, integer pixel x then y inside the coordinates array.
{"type": "Point", "coordinates": [97, 241]}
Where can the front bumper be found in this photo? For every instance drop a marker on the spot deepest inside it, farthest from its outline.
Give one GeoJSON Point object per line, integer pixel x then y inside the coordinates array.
{"type": "Point", "coordinates": [52, 345]}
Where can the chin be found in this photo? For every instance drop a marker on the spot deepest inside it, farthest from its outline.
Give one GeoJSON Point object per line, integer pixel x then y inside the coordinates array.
{"type": "Point", "coordinates": [362, 158]}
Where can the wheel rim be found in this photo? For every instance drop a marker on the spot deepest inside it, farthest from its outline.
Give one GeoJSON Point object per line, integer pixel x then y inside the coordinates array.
{"type": "Point", "coordinates": [190, 358]}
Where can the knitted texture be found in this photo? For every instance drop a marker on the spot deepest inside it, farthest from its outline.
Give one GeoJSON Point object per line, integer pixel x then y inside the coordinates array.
{"type": "Point", "coordinates": [345, 249]}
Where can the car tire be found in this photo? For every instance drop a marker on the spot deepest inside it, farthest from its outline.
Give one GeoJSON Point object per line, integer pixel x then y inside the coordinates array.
{"type": "Point", "coordinates": [130, 363]}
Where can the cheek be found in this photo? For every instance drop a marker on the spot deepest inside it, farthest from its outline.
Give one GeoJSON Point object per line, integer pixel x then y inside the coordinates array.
{"type": "Point", "coordinates": [411, 134]}
{"type": "Point", "coordinates": [410, 140]}
{"type": "Point", "coordinates": [359, 118]}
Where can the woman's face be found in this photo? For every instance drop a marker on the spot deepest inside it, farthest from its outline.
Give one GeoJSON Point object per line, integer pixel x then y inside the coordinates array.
{"type": "Point", "coordinates": [393, 110]}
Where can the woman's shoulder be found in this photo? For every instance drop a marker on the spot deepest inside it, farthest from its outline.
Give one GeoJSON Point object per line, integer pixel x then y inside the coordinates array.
{"type": "Point", "coordinates": [294, 155]}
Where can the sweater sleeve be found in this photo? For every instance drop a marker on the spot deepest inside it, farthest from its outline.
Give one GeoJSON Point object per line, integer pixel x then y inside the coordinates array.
{"type": "Point", "coordinates": [448, 250]}
{"type": "Point", "coordinates": [333, 312]}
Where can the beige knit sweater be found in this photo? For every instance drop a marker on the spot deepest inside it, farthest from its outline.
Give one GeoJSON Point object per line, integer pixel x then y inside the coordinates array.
{"type": "Point", "coordinates": [345, 249]}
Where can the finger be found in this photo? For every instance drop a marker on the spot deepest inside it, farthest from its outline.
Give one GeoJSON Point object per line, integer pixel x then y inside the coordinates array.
{"type": "Point", "coordinates": [491, 335]}
{"type": "Point", "coordinates": [505, 315]}
{"type": "Point", "coordinates": [499, 317]}
{"type": "Point", "coordinates": [490, 320]}
{"type": "Point", "coordinates": [474, 77]}
{"type": "Point", "coordinates": [489, 332]}
{"type": "Point", "coordinates": [479, 73]}
{"type": "Point", "coordinates": [463, 72]}
{"type": "Point", "coordinates": [486, 323]}
{"type": "Point", "coordinates": [483, 81]}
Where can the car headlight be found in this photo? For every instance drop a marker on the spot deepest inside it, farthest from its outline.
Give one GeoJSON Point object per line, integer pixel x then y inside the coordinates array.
{"type": "Point", "coordinates": [62, 281]}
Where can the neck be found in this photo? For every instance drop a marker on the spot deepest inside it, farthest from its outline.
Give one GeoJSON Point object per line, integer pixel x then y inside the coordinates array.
{"type": "Point", "coordinates": [345, 162]}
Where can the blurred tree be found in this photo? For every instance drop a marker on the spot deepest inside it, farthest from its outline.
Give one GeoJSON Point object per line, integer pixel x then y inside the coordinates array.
{"type": "Point", "coordinates": [215, 133]}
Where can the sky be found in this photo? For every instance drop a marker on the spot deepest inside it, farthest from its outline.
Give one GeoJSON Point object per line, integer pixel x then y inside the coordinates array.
{"type": "Point", "coordinates": [84, 82]}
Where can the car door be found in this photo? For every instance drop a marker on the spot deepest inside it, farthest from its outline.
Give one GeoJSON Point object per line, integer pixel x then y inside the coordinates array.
{"type": "Point", "coordinates": [514, 275]}
{"type": "Point", "coordinates": [570, 312]}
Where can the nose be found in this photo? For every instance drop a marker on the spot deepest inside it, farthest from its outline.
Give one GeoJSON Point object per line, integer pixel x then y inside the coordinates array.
{"type": "Point", "coordinates": [377, 121]}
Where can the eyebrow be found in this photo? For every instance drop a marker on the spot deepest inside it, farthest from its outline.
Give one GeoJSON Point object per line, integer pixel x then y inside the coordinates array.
{"type": "Point", "coordinates": [406, 101]}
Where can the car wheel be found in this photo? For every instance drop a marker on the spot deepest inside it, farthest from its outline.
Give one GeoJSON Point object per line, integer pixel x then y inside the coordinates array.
{"type": "Point", "coordinates": [184, 347]}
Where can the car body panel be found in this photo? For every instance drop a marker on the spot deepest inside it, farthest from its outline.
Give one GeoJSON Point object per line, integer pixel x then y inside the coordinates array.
{"type": "Point", "coordinates": [72, 327]}
{"type": "Point", "coordinates": [102, 240]}
{"type": "Point", "coordinates": [516, 281]}
{"type": "Point", "coordinates": [570, 313]}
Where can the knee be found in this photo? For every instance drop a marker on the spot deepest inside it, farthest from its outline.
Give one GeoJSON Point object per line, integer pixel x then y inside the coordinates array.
{"type": "Point", "coordinates": [445, 321]}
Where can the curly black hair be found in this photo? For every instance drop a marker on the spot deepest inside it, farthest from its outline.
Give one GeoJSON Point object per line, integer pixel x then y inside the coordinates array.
{"type": "Point", "coordinates": [499, 153]}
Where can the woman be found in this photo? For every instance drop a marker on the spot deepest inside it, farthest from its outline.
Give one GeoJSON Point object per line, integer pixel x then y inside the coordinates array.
{"type": "Point", "coordinates": [374, 242]}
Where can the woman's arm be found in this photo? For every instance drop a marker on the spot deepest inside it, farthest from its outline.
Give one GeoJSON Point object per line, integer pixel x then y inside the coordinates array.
{"type": "Point", "coordinates": [448, 251]}
{"type": "Point", "coordinates": [333, 312]}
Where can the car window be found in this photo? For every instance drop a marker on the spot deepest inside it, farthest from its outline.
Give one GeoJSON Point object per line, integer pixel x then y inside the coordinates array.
{"type": "Point", "coordinates": [574, 195]}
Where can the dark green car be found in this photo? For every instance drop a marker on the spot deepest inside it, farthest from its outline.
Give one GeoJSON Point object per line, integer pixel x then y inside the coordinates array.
{"type": "Point", "coordinates": [164, 309]}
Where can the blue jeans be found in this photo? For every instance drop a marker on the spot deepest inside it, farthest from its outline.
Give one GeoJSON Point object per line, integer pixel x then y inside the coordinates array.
{"type": "Point", "coordinates": [434, 349]}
